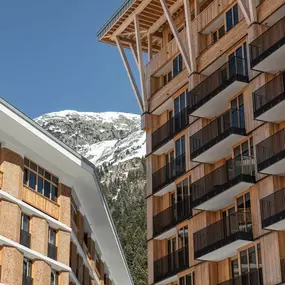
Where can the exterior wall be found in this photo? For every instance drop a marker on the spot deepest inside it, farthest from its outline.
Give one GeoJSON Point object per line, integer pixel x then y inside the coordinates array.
{"type": "Point", "coordinates": [271, 242]}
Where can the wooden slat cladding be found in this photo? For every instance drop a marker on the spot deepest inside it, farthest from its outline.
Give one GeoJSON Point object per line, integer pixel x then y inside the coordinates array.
{"type": "Point", "coordinates": [40, 202]}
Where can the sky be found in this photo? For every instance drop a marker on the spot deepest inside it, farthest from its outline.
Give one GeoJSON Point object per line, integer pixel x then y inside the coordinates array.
{"type": "Point", "coordinates": [50, 59]}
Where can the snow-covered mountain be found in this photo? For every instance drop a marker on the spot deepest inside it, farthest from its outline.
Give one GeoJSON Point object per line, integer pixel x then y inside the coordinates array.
{"type": "Point", "coordinates": [110, 137]}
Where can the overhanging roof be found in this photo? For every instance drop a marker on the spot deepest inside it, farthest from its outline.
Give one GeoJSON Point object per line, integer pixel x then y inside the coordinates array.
{"type": "Point", "coordinates": [33, 141]}
{"type": "Point", "coordinates": [151, 18]}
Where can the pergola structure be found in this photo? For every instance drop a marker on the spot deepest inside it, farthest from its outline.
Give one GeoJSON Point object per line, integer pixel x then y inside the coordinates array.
{"type": "Point", "coordinates": [138, 24]}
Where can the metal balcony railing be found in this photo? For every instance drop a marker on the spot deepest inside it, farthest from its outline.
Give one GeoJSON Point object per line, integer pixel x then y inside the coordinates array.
{"type": "Point", "coordinates": [52, 251]}
{"type": "Point", "coordinates": [25, 238]}
{"type": "Point", "coordinates": [254, 277]}
{"type": "Point", "coordinates": [270, 150]}
{"type": "Point", "coordinates": [171, 216]}
{"type": "Point", "coordinates": [231, 122]}
{"type": "Point", "coordinates": [168, 173]}
{"type": "Point", "coordinates": [272, 208]}
{"type": "Point", "coordinates": [267, 43]}
{"type": "Point", "coordinates": [168, 130]}
{"type": "Point", "coordinates": [223, 232]}
{"type": "Point", "coordinates": [240, 168]}
{"type": "Point", "coordinates": [235, 69]}
{"type": "Point", "coordinates": [269, 95]}
{"type": "Point", "coordinates": [171, 264]}
{"type": "Point", "coordinates": [27, 280]}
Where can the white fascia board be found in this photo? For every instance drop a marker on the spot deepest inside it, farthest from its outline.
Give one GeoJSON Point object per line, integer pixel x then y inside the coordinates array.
{"type": "Point", "coordinates": [34, 255]}
{"type": "Point", "coordinates": [29, 210]}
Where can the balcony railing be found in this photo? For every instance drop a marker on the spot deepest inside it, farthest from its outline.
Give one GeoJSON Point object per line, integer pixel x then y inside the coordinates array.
{"type": "Point", "coordinates": [282, 263]}
{"type": "Point", "coordinates": [52, 251]}
{"type": "Point", "coordinates": [27, 280]}
{"type": "Point", "coordinates": [171, 264]}
{"type": "Point", "coordinates": [269, 95]}
{"type": "Point", "coordinates": [234, 70]}
{"type": "Point", "coordinates": [168, 130]}
{"type": "Point", "coordinates": [272, 208]}
{"type": "Point", "coordinates": [25, 238]}
{"type": "Point", "coordinates": [267, 43]}
{"type": "Point", "coordinates": [219, 234]}
{"type": "Point", "coordinates": [173, 215]}
{"type": "Point", "coordinates": [168, 173]}
{"type": "Point", "coordinates": [231, 122]}
{"type": "Point", "coordinates": [236, 169]}
{"type": "Point", "coordinates": [270, 150]}
{"type": "Point", "coordinates": [254, 277]}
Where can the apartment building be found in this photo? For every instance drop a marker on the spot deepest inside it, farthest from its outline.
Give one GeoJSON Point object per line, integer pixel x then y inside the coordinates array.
{"type": "Point", "coordinates": [212, 101]}
{"type": "Point", "coordinates": [55, 226]}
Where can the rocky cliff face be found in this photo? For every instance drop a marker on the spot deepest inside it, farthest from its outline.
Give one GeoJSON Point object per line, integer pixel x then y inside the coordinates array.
{"type": "Point", "coordinates": [115, 143]}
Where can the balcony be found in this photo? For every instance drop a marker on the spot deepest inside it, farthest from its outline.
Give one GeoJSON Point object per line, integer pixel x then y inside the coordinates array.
{"type": "Point", "coordinates": [25, 238]}
{"type": "Point", "coordinates": [214, 141]}
{"type": "Point", "coordinates": [210, 98]}
{"type": "Point", "coordinates": [272, 209]}
{"type": "Point", "coordinates": [270, 154]}
{"type": "Point", "coordinates": [164, 222]}
{"type": "Point", "coordinates": [254, 277]}
{"type": "Point", "coordinates": [162, 138]}
{"type": "Point", "coordinates": [218, 189]}
{"type": "Point", "coordinates": [27, 280]}
{"type": "Point", "coordinates": [268, 101]}
{"type": "Point", "coordinates": [52, 251]}
{"type": "Point", "coordinates": [163, 179]}
{"type": "Point", "coordinates": [282, 263]}
{"type": "Point", "coordinates": [222, 239]}
{"type": "Point", "coordinates": [171, 264]}
{"type": "Point", "coordinates": [267, 51]}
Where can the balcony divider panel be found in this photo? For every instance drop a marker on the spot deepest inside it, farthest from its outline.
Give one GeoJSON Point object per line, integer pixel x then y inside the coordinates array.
{"type": "Point", "coordinates": [168, 173]}
{"type": "Point", "coordinates": [240, 168]}
{"type": "Point", "coordinates": [232, 121]}
{"type": "Point", "coordinates": [234, 70]}
{"type": "Point", "coordinates": [269, 95]}
{"type": "Point", "coordinates": [227, 230]}
{"type": "Point", "coordinates": [267, 43]}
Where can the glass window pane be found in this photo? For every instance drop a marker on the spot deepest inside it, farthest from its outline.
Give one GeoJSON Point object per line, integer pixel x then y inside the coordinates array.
{"type": "Point", "coordinates": [26, 162]}
{"type": "Point", "coordinates": [55, 180]}
{"type": "Point", "coordinates": [54, 193]}
{"type": "Point", "coordinates": [259, 255]}
{"type": "Point", "coordinates": [51, 236]}
{"type": "Point", "coordinates": [47, 189]}
{"type": "Point", "coordinates": [175, 66]}
{"type": "Point", "coordinates": [32, 180]}
{"type": "Point", "coordinates": [237, 151]}
{"type": "Point", "coordinates": [221, 31]}
{"type": "Point", "coordinates": [47, 175]}
{"type": "Point", "coordinates": [182, 144]}
{"type": "Point", "coordinates": [188, 279]}
{"type": "Point", "coordinates": [40, 171]}
{"type": "Point", "coordinates": [235, 12]}
{"type": "Point", "coordinates": [240, 203]}
{"type": "Point", "coordinates": [244, 147]}
{"type": "Point", "coordinates": [182, 101]}
{"type": "Point", "coordinates": [33, 166]}
{"type": "Point", "coordinates": [181, 281]}
{"type": "Point", "coordinates": [177, 148]}
{"type": "Point", "coordinates": [252, 258]}
{"type": "Point", "coordinates": [243, 261]}
{"type": "Point", "coordinates": [25, 223]}
{"type": "Point", "coordinates": [176, 106]}
{"type": "Point", "coordinates": [26, 176]}
{"type": "Point", "coordinates": [235, 270]}
{"type": "Point", "coordinates": [40, 185]}
{"type": "Point", "coordinates": [229, 20]}
{"type": "Point", "coordinates": [215, 36]}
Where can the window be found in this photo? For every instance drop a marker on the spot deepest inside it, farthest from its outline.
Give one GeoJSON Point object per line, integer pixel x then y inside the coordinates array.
{"type": "Point", "coordinates": [171, 245]}
{"type": "Point", "coordinates": [234, 268]}
{"type": "Point", "coordinates": [53, 277]}
{"type": "Point", "coordinates": [183, 237]}
{"type": "Point", "coordinates": [73, 210]}
{"type": "Point", "coordinates": [40, 180]}
{"type": "Point", "coordinates": [246, 149]}
{"type": "Point", "coordinates": [52, 236]}
{"type": "Point", "coordinates": [232, 17]}
{"type": "Point", "coordinates": [188, 279]}
{"type": "Point", "coordinates": [180, 146]}
{"type": "Point", "coordinates": [218, 33]}
{"type": "Point", "coordinates": [25, 225]}
{"type": "Point", "coordinates": [250, 259]}
{"type": "Point", "coordinates": [27, 267]}
{"type": "Point", "coordinates": [237, 110]}
{"type": "Point", "coordinates": [182, 190]}
{"type": "Point", "coordinates": [179, 103]}
{"type": "Point", "coordinates": [238, 60]}
{"type": "Point", "coordinates": [177, 65]}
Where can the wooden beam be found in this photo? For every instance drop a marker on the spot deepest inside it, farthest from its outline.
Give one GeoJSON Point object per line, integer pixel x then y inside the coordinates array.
{"type": "Point", "coordinates": [129, 72]}
{"type": "Point", "coordinates": [132, 47]}
{"type": "Point", "coordinates": [244, 10]}
{"type": "Point", "coordinates": [176, 35]}
{"type": "Point", "coordinates": [189, 35]}
{"type": "Point", "coordinates": [149, 41]}
{"type": "Point", "coordinates": [252, 10]}
{"type": "Point", "coordinates": [140, 62]}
